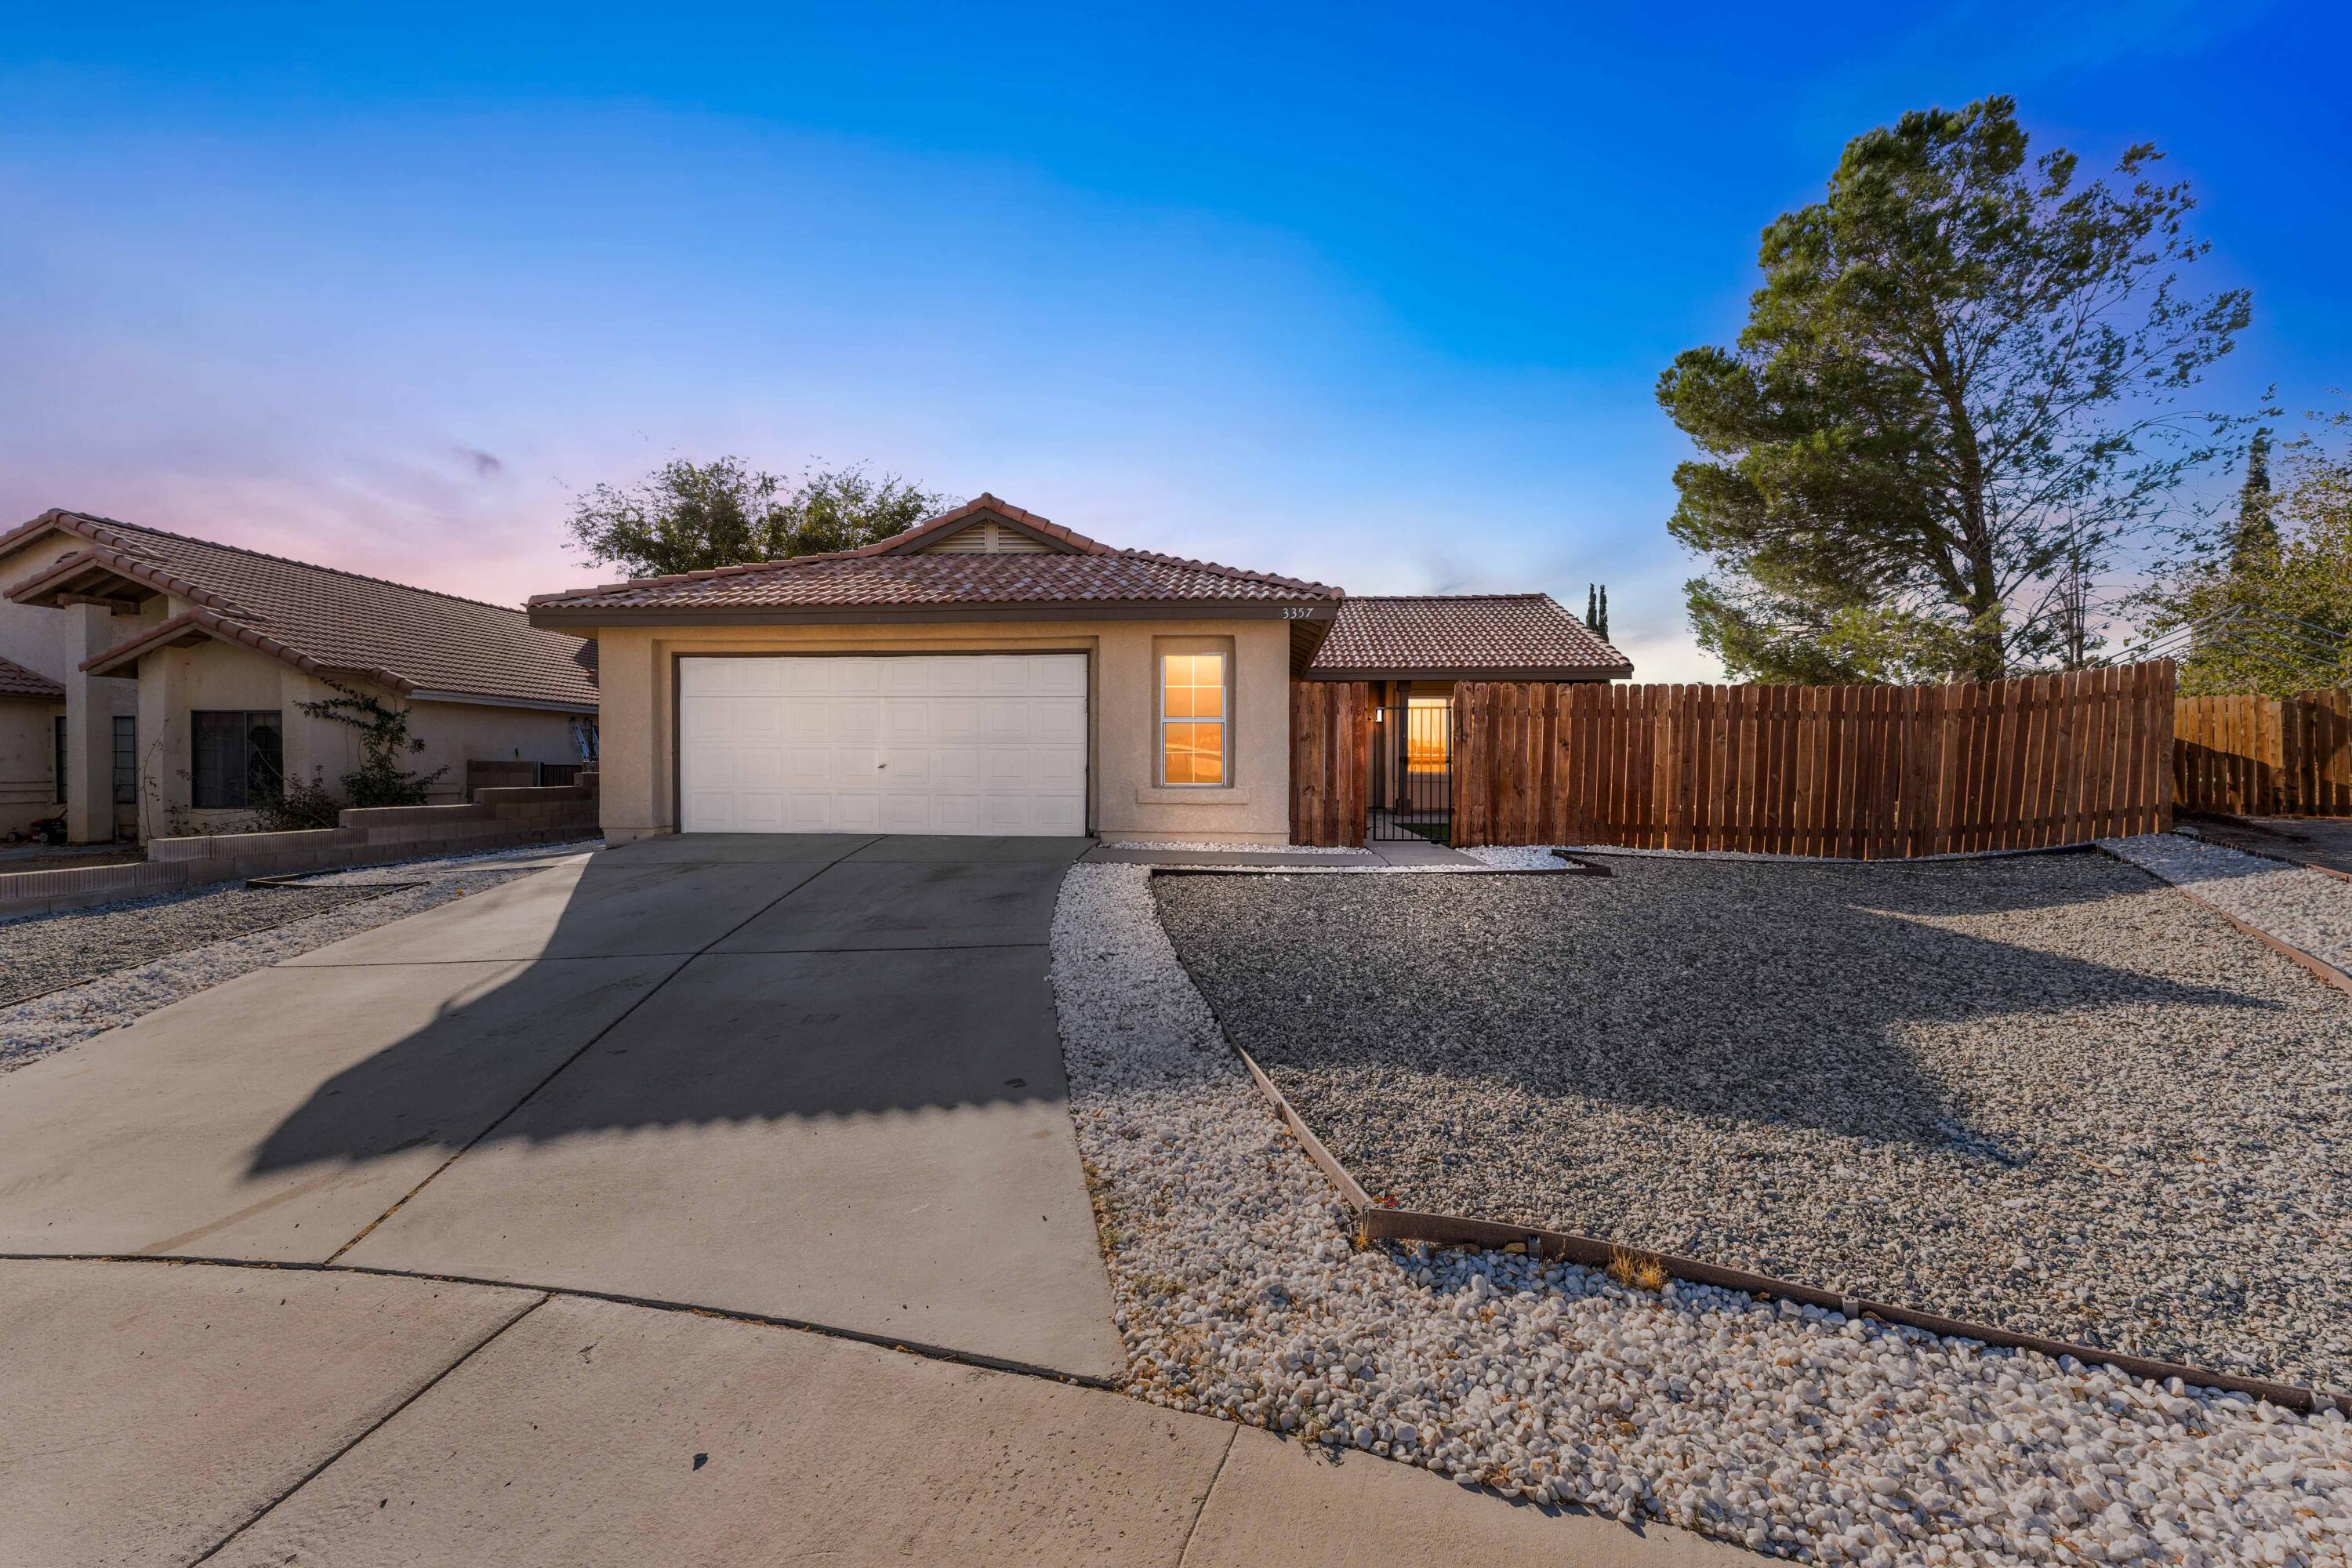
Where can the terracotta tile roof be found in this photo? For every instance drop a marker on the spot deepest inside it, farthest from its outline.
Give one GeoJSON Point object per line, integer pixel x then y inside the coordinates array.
{"type": "Point", "coordinates": [882, 582]}
{"type": "Point", "coordinates": [317, 619]}
{"type": "Point", "coordinates": [888, 577]}
{"type": "Point", "coordinates": [16, 681]}
{"type": "Point", "coordinates": [1462, 637]}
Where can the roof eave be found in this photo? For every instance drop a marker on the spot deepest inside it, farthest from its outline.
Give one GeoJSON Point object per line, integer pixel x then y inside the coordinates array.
{"type": "Point", "coordinates": [495, 699]}
{"type": "Point", "coordinates": [197, 625]}
{"type": "Point", "coordinates": [568, 617]}
{"type": "Point", "coordinates": [1578, 673]}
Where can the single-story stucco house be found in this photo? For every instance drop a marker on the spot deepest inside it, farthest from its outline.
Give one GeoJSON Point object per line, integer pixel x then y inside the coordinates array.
{"type": "Point", "coordinates": [988, 672]}
{"type": "Point", "coordinates": [170, 673]}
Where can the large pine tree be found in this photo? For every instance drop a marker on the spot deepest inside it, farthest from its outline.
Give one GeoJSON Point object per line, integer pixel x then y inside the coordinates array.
{"type": "Point", "coordinates": [1959, 382]}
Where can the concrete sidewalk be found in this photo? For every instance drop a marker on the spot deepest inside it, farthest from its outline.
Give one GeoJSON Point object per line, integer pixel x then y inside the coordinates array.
{"type": "Point", "coordinates": [175, 1413]}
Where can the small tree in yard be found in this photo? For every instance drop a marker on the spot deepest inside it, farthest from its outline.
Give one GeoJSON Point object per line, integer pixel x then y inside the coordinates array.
{"type": "Point", "coordinates": [691, 517]}
{"type": "Point", "coordinates": [1954, 395]}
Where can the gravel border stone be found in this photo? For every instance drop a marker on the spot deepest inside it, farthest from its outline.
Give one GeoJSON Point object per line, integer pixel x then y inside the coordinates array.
{"type": "Point", "coordinates": [371, 896]}
{"type": "Point", "coordinates": [1789, 1429]}
{"type": "Point", "coordinates": [1963, 1088]}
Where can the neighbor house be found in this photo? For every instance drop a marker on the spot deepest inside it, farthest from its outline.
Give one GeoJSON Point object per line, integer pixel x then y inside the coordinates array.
{"type": "Point", "coordinates": [172, 674]}
{"type": "Point", "coordinates": [988, 672]}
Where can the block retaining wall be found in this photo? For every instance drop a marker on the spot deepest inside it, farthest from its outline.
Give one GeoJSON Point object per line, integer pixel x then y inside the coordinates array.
{"type": "Point", "coordinates": [497, 820]}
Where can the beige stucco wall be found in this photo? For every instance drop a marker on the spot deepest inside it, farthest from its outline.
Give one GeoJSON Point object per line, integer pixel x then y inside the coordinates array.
{"type": "Point", "coordinates": [638, 770]}
{"type": "Point", "coordinates": [32, 637]}
{"type": "Point", "coordinates": [454, 731]}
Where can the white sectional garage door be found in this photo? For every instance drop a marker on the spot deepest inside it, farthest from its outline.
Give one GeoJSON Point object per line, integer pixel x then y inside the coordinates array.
{"type": "Point", "coordinates": [962, 743]}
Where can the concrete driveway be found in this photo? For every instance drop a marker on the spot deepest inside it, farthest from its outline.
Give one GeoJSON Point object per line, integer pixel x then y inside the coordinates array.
{"type": "Point", "coordinates": [811, 1078]}
{"type": "Point", "coordinates": [497, 1234]}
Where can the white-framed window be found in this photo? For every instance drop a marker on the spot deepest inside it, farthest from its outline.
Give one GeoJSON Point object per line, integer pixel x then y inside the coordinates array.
{"type": "Point", "coordinates": [1195, 705]}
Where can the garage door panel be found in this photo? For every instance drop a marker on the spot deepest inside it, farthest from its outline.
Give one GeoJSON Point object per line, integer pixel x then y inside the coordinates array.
{"type": "Point", "coordinates": [918, 743]}
{"type": "Point", "coordinates": [954, 676]}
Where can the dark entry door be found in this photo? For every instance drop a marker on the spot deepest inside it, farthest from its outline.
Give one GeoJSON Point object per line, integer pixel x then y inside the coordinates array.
{"type": "Point", "coordinates": [1412, 772]}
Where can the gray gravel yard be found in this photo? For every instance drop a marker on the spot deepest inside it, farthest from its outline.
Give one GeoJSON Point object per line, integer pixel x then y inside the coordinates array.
{"type": "Point", "coordinates": [89, 971]}
{"type": "Point", "coordinates": [53, 951]}
{"type": "Point", "coordinates": [2045, 1092]}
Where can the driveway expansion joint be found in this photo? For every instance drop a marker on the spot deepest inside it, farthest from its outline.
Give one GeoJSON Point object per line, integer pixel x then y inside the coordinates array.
{"type": "Point", "coordinates": [372, 1428]}
{"type": "Point", "coordinates": [587, 1046]}
{"type": "Point", "coordinates": [1192, 1525]}
{"type": "Point", "coordinates": [904, 1346]}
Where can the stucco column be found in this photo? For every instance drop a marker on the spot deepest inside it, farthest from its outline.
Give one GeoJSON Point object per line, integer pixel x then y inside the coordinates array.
{"type": "Point", "coordinates": [163, 757]}
{"type": "Point", "coordinates": [89, 726]}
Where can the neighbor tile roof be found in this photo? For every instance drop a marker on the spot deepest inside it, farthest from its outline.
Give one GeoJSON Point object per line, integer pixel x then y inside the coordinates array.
{"type": "Point", "coordinates": [319, 619]}
{"type": "Point", "coordinates": [16, 680]}
{"type": "Point", "coordinates": [1462, 636]}
{"type": "Point", "coordinates": [886, 577]}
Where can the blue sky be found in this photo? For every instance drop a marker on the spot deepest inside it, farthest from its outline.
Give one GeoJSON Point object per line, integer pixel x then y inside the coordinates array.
{"type": "Point", "coordinates": [1377, 296]}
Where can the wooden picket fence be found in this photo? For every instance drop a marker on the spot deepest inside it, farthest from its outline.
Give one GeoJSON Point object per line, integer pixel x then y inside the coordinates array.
{"type": "Point", "coordinates": [2261, 756]}
{"type": "Point", "coordinates": [1330, 761]}
{"type": "Point", "coordinates": [1860, 773]}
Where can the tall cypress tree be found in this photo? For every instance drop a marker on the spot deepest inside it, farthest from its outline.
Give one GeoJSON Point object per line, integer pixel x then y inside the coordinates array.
{"type": "Point", "coordinates": [2257, 531]}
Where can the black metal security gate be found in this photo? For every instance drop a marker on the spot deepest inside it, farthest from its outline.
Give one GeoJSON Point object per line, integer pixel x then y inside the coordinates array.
{"type": "Point", "coordinates": [1412, 772]}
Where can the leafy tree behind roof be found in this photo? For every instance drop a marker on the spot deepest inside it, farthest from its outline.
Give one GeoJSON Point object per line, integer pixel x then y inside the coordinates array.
{"type": "Point", "coordinates": [1957, 391]}
{"type": "Point", "coordinates": [690, 516]}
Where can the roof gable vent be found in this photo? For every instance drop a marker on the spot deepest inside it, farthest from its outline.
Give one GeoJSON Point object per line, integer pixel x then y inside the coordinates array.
{"type": "Point", "coordinates": [986, 536]}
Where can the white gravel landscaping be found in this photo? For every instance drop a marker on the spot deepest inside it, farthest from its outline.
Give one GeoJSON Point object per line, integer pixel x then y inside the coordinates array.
{"type": "Point", "coordinates": [187, 963]}
{"type": "Point", "coordinates": [1793, 1430]}
{"type": "Point", "coordinates": [2302, 908]}
{"type": "Point", "coordinates": [1248, 848]}
{"type": "Point", "coordinates": [1516, 858]}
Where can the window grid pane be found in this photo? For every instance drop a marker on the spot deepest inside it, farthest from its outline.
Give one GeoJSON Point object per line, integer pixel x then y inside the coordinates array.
{"type": "Point", "coordinates": [126, 760]}
{"type": "Point", "coordinates": [1192, 689]}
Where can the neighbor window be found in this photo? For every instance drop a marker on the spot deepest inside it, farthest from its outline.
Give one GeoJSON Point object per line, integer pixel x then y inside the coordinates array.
{"type": "Point", "coordinates": [1192, 700]}
{"type": "Point", "coordinates": [61, 761]}
{"type": "Point", "coordinates": [239, 758]}
{"type": "Point", "coordinates": [126, 760]}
